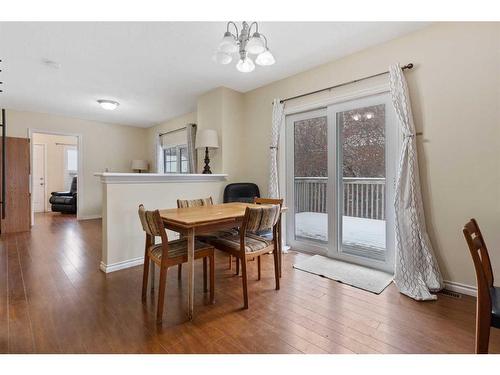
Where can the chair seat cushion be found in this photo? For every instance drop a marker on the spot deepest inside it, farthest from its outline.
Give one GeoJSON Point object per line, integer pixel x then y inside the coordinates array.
{"type": "Point", "coordinates": [495, 306]}
{"type": "Point", "coordinates": [267, 234]}
{"type": "Point", "coordinates": [62, 199]}
{"type": "Point", "coordinates": [252, 242]}
{"type": "Point", "coordinates": [177, 248]}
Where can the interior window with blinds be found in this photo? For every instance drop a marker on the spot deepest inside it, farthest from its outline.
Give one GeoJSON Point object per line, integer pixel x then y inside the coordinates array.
{"type": "Point", "coordinates": [174, 155]}
{"type": "Point", "coordinates": [175, 159]}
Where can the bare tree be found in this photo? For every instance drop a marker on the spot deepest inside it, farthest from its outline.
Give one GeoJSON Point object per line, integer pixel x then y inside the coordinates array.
{"type": "Point", "coordinates": [362, 141]}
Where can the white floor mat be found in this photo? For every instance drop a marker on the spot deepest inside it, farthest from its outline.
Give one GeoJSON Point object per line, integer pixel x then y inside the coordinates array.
{"type": "Point", "coordinates": [358, 276]}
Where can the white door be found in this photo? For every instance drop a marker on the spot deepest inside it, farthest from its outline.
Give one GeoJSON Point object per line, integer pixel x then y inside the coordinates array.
{"type": "Point", "coordinates": [341, 164]}
{"type": "Point", "coordinates": [39, 180]}
{"type": "Point", "coordinates": [308, 183]}
{"type": "Point", "coordinates": [364, 168]}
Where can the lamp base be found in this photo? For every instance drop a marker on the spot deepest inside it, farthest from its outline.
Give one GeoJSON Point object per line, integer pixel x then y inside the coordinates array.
{"type": "Point", "coordinates": [206, 169]}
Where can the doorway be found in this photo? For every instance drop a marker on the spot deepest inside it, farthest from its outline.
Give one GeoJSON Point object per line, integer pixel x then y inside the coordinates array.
{"type": "Point", "coordinates": [39, 171]}
{"type": "Point", "coordinates": [55, 174]}
{"type": "Point", "coordinates": [341, 167]}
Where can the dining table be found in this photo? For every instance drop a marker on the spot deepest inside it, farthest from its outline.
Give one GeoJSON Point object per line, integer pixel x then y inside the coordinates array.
{"type": "Point", "coordinates": [192, 221]}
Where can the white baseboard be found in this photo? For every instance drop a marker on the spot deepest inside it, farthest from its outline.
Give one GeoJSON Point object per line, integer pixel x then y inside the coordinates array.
{"type": "Point", "coordinates": [461, 288]}
{"type": "Point", "coordinates": [89, 217]}
{"type": "Point", "coordinates": [107, 268]}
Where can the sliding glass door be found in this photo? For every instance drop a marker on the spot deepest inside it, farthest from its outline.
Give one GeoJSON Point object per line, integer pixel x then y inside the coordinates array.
{"type": "Point", "coordinates": [307, 171]}
{"type": "Point", "coordinates": [341, 164]}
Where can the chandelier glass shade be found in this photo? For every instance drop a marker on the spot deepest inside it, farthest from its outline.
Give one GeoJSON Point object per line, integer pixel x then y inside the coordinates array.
{"type": "Point", "coordinates": [245, 65]}
{"type": "Point", "coordinates": [244, 43]}
{"type": "Point", "coordinates": [265, 58]}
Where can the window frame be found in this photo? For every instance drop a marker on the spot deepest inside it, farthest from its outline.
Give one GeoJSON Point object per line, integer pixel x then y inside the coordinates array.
{"type": "Point", "coordinates": [179, 152]}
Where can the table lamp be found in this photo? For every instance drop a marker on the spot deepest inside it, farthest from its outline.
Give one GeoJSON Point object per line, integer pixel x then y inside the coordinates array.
{"type": "Point", "coordinates": [207, 138]}
{"type": "Point", "coordinates": [139, 165]}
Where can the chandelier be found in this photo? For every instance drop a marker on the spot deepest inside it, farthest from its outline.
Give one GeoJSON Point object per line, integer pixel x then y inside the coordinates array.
{"type": "Point", "coordinates": [244, 43]}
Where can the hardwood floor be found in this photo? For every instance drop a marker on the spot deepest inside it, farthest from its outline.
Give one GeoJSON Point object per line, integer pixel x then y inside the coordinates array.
{"type": "Point", "coordinates": [54, 299]}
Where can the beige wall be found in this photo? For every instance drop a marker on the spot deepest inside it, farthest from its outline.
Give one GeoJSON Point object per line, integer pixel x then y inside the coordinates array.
{"type": "Point", "coordinates": [232, 139]}
{"type": "Point", "coordinates": [103, 146]}
{"type": "Point", "coordinates": [54, 175]}
{"type": "Point", "coordinates": [123, 249]}
{"type": "Point", "coordinates": [209, 116]}
{"type": "Point", "coordinates": [220, 109]}
{"type": "Point", "coordinates": [454, 89]}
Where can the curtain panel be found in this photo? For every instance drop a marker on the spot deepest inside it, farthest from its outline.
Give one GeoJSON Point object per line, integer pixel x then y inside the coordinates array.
{"type": "Point", "coordinates": [277, 120]}
{"type": "Point", "coordinates": [416, 270]}
{"type": "Point", "coordinates": [191, 150]}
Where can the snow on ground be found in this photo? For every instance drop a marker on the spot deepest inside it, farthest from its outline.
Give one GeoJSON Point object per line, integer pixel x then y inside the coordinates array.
{"type": "Point", "coordinates": [356, 230]}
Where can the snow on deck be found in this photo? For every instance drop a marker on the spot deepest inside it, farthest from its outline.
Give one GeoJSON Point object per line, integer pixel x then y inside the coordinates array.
{"type": "Point", "coordinates": [357, 231]}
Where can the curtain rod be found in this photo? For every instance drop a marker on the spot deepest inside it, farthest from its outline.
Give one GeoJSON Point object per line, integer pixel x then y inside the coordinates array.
{"type": "Point", "coordinates": [407, 66]}
{"type": "Point", "coordinates": [173, 131]}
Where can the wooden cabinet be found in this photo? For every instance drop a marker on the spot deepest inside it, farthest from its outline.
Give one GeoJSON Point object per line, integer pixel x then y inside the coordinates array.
{"type": "Point", "coordinates": [17, 193]}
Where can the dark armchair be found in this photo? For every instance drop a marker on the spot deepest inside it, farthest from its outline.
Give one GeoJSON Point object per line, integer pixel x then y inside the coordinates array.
{"type": "Point", "coordinates": [65, 201]}
{"type": "Point", "coordinates": [241, 192]}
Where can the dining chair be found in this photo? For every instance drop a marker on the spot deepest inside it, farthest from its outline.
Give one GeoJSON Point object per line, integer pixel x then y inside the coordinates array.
{"type": "Point", "coordinates": [488, 296]}
{"type": "Point", "coordinates": [168, 254]}
{"type": "Point", "coordinates": [241, 192]}
{"type": "Point", "coordinates": [248, 245]}
{"type": "Point", "coordinates": [268, 234]}
{"type": "Point", "coordinates": [183, 203]}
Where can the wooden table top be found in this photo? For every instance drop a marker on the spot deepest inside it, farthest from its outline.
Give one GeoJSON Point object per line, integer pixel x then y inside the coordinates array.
{"type": "Point", "coordinates": [193, 216]}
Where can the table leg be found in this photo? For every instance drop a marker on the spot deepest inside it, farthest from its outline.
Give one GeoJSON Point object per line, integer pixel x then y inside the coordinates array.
{"type": "Point", "coordinates": [190, 266]}
{"type": "Point", "coordinates": [280, 247]}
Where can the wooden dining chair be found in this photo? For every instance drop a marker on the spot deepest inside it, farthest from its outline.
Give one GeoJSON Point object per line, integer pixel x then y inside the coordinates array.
{"type": "Point", "coordinates": [248, 245]}
{"type": "Point", "coordinates": [269, 234]}
{"type": "Point", "coordinates": [168, 254]}
{"type": "Point", "coordinates": [183, 203]}
{"type": "Point", "coordinates": [488, 296]}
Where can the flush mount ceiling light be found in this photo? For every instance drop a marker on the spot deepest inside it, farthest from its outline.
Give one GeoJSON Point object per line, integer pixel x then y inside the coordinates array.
{"type": "Point", "coordinates": [244, 43]}
{"type": "Point", "coordinates": [52, 64]}
{"type": "Point", "coordinates": [110, 105]}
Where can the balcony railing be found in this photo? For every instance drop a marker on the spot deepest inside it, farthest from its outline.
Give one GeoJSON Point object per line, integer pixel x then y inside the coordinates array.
{"type": "Point", "coordinates": [363, 197]}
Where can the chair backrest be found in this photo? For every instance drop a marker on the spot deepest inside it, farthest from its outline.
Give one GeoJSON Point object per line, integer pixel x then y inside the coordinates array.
{"type": "Point", "coordinates": [241, 192]}
{"type": "Point", "coordinates": [482, 264]}
{"type": "Point", "coordinates": [183, 203]}
{"type": "Point", "coordinates": [260, 219]}
{"type": "Point", "coordinates": [150, 222]}
{"type": "Point", "coordinates": [73, 187]}
{"type": "Point", "coordinates": [153, 226]}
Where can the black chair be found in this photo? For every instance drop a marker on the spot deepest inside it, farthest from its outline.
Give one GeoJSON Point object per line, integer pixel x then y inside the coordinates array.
{"type": "Point", "coordinates": [241, 192]}
{"type": "Point", "coordinates": [65, 201]}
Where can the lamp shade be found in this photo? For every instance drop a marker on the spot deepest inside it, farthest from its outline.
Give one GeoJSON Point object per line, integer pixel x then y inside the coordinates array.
{"type": "Point", "coordinates": [207, 138]}
{"type": "Point", "coordinates": [139, 165]}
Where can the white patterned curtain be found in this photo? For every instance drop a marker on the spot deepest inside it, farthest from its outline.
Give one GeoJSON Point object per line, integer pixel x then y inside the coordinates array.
{"type": "Point", "coordinates": [278, 116]}
{"type": "Point", "coordinates": [417, 273]}
{"type": "Point", "coordinates": [192, 154]}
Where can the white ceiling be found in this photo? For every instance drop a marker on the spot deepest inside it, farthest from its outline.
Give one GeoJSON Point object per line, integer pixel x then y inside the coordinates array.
{"type": "Point", "coordinates": [156, 70]}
